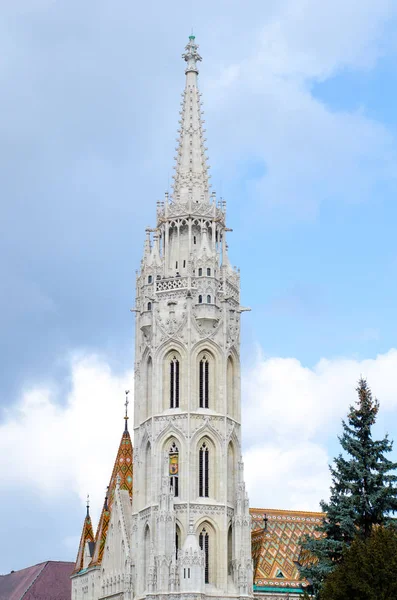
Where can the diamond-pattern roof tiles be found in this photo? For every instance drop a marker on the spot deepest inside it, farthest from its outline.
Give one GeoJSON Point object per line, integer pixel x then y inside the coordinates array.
{"type": "Point", "coordinates": [276, 549]}
{"type": "Point", "coordinates": [122, 470]}
{"type": "Point", "coordinates": [87, 535]}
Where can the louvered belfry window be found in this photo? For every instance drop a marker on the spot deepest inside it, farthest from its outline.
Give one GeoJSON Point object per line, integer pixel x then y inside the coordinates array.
{"type": "Point", "coordinates": [204, 471]}
{"type": "Point", "coordinates": [204, 545]}
{"type": "Point", "coordinates": [204, 382]}
{"type": "Point", "coordinates": [174, 383]}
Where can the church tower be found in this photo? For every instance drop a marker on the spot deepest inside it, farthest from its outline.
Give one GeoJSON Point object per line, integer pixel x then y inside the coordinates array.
{"type": "Point", "coordinates": [191, 530]}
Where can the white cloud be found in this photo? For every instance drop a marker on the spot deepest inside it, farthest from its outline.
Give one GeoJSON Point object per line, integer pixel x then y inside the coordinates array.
{"type": "Point", "coordinates": [290, 476]}
{"type": "Point", "coordinates": [291, 416]}
{"type": "Point", "coordinates": [55, 447]}
{"type": "Point", "coordinates": [309, 39]}
{"type": "Point", "coordinates": [312, 152]}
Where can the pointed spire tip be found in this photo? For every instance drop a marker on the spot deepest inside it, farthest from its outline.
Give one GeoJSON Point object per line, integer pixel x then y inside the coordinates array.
{"type": "Point", "coordinates": [126, 403]}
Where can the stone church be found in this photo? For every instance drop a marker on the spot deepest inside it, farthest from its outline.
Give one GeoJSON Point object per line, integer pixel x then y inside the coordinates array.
{"type": "Point", "coordinates": [176, 521]}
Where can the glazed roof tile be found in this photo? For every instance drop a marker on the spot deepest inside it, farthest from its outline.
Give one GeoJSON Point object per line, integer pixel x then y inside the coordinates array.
{"type": "Point", "coordinates": [123, 471]}
{"type": "Point", "coordinates": [276, 550]}
{"type": "Point", "coordinates": [87, 535]}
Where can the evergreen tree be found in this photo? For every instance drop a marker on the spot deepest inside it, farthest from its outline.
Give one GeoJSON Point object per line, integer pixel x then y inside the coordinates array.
{"type": "Point", "coordinates": [363, 491]}
{"type": "Point", "coordinates": [367, 571]}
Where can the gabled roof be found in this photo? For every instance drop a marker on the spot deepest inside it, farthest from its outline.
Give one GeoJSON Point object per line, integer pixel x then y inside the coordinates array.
{"type": "Point", "coordinates": [87, 535]}
{"type": "Point", "coordinates": [49, 580]}
{"type": "Point", "coordinates": [276, 550]}
{"type": "Point", "coordinates": [122, 471]}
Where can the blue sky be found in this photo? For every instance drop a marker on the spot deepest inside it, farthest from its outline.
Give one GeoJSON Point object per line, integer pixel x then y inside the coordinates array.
{"type": "Point", "coordinates": [299, 101]}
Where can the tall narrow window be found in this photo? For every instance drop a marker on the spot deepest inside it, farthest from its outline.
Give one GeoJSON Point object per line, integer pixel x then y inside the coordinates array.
{"type": "Point", "coordinates": [176, 542]}
{"type": "Point", "coordinates": [208, 299]}
{"type": "Point", "coordinates": [229, 550]}
{"type": "Point", "coordinates": [203, 383]}
{"type": "Point", "coordinates": [174, 383]}
{"type": "Point", "coordinates": [150, 278]}
{"type": "Point", "coordinates": [230, 473]}
{"type": "Point", "coordinates": [148, 473]}
{"type": "Point", "coordinates": [200, 299]}
{"type": "Point", "coordinates": [208, 271]}
{"type": "Point", "coordinates": [194, 239]}
{"type": "Point", "coordinates": [146, 553]}
{"type": "Point", "coordinates": [149, 306]}
{"type": "Point", "coordinates": [230, 388]}
{"type": "Point", "coordinates": [200, 272]}
{"type": "Point", "coordinates": [204, 545]}
{"type": "Point", "coordinates": [174, 469]}
{"type": "Point", "coordinates": [147, 407]}
{"type": "Point", "coordinates": [203, 471]}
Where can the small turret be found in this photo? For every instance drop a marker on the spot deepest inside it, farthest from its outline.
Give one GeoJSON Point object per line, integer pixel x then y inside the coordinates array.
{"type": "Point", "coordinates": [191, 564]}
{"type": "Point", "coordinates": [86, 546]}
{"type": "Point", "coordinates": [122, 476]}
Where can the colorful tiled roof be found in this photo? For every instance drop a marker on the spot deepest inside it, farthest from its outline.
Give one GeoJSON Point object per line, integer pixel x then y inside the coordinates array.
{"type": "Point", "coordinates": [49, 580]}
{"type": "Point", "coordinates": [87, 535]}
{"type": "Point", "coordinates": [122, 471]}
{"type": "Point", "coordinates": [276, 550]}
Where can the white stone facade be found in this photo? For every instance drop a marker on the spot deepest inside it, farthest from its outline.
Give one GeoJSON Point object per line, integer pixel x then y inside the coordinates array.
{"type": "Point", "coordinates": [189, 530]}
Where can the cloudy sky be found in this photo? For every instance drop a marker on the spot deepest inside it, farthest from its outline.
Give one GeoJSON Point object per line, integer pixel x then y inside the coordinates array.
{"type": "Point", "coordinates": [299, 97]}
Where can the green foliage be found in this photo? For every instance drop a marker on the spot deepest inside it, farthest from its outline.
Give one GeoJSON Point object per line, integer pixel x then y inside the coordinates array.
{"type": "Point", "coordinates": [363, 491]}
{"type": "Point", "coordinates": [367, 571]}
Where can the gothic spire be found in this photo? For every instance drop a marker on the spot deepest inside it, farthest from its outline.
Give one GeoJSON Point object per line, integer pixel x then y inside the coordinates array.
{"type": "Point", "coordinates": [121, 476]}
{"type": "Point", "coordinates": [191, 177]}
{"type": "Point", "coordinates": [87, 535]}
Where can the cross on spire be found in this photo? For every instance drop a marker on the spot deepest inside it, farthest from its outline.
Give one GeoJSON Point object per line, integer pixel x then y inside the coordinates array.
{"type": "Point", "coordinates": [88, 505]}
{"type": "Point", "coordinates": [126, 403]}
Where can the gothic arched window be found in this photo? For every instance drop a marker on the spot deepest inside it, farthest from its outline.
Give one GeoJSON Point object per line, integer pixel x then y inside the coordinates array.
{"type": "Point", "coordinates": [230, 473]}
{"type": "Point", "coordinates": [208, 299]}
{"type": "Point", "coordinates": [177, 541]}
{"type": "Point", "coordinates": [174, 383]}
{"type": "Point", "coordinates": [204, 382]}
{"type": "Point", "coordinates": [147, 404]}
{"type": "Point", "coordinates": [174, 468]}
{"type": "Point", "coordinates": [146, 553]}
{"type": "Point", "coordinates": [200, 299]}
{"type": "Point", "coordinates": [200, 272]}
{"type": "Point", "coordinates": [204, 545]}
{"type": "Point", "coordinates": [149, 306]}
{"type": "Point", "coordinates": [229, 549]}
{"type": "Point", "coordinates": [148, 473]}
{"type": "Point", "coordinates": [204, 471]}
{"type": "Point", "coordinates": [208, 272]}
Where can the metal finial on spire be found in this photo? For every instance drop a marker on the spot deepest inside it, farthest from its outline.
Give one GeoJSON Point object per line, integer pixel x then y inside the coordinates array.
{"type": "Point", "coordinates": [191, 56]}
{"type": "Point", "coordinates": [88, 505]}
{"type": "Point", "coordinates": [265, 521]}
{"type": "Point", "coordinates": [126, 403]}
